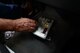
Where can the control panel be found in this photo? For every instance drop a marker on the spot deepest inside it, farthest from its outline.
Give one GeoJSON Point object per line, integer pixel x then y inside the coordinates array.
{"type": "Point", "coordinates": [44, 25]}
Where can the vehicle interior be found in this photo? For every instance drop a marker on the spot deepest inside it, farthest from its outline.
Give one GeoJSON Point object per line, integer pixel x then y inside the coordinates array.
{"type": "Point", "coordinates": [57, 30]}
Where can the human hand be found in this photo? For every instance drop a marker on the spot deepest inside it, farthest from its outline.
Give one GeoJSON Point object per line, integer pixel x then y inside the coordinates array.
{"type": "Point", "coordinates": [24, 24]}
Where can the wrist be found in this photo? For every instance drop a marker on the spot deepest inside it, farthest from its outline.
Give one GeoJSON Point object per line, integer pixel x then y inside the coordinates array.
{"type": "Point", "coordinates": [14, 25]}
{"type": "Point", "coordinates": [10, 25]}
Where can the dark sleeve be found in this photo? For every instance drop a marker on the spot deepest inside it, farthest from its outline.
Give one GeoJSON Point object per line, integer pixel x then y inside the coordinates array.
{"type": "Point", "coordinates": [7, 12]}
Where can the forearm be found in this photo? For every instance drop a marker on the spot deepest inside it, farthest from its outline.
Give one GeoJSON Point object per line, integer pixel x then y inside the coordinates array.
{"type": "Point", "coordinates": [21, 24]}
{"type": "Point", "coordinates": [6, 24]}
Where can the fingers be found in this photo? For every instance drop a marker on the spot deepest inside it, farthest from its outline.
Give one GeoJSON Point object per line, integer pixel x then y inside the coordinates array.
{"type": "Point", "coordinates": [25, 24]}
{"type": "Point", "coordinates": [28, 20]}
{"type": "Point", "coordinates": [29, 27]}
{"type": "Point", "coordinates": [32, 24]}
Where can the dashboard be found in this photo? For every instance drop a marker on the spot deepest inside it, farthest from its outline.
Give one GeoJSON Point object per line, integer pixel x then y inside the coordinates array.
{"type": "Point", "coordinates": [71, 5]}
